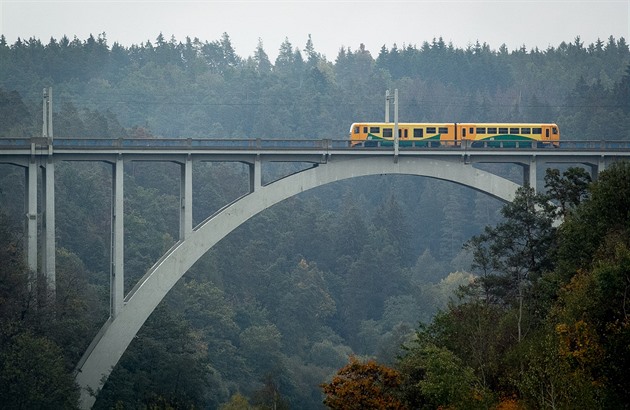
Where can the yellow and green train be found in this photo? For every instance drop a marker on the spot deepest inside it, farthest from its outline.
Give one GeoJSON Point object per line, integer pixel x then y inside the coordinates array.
{"type": "Point", "coordinates": [506, 135]}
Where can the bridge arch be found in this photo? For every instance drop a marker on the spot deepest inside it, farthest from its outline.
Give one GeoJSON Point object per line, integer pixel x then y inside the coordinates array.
{"type": "Point", "coordinates": [118, 332]}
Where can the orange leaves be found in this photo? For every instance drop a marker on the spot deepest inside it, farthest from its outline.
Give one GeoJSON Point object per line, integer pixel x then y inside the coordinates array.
{"type": "Point", "coordinates": [363, 385]}
{"type": "Point", "coordinates": [579, 343]}
{"type": "Point", "coordinates": [510, 403]}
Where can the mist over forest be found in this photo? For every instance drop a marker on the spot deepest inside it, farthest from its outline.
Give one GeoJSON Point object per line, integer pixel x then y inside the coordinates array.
{"type": "Point", "coordinates": [355, 268]}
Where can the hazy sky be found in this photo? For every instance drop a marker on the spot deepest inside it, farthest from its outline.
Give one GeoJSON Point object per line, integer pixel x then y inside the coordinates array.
{"type": "Point", "coordinates": [332, 24]}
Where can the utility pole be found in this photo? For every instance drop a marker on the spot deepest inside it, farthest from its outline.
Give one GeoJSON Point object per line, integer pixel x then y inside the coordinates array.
{"type": "Point", "coordinates": [388, 97]}
{"type": "Point", "coordinates": [386, 105]}
{"type": "Point", "coordinates": [48, 178]}
{"type": "Point", "coordinates": [396, 136]}
{"type": "Point", "coordinates": [47, 126]}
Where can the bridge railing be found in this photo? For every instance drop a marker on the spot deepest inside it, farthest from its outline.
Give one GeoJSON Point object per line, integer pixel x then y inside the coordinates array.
{"type": "Point", "coordinates": [191, 143]}
{"type": "Point", "coordinates": [305, 144]}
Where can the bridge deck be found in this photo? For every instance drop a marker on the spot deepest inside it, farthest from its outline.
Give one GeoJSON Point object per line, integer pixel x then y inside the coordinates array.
{"type": "Point", "coordinates": [294, 149]}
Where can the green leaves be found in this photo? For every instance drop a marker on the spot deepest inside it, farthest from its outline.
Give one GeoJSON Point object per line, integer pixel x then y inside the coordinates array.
{"type": "Point", "coordinates": [441, 379]}
{"type": "Point", "coordinates": [518, 250]}
{"type": "Point", "coordinates": [33, 374]}
{"type": "Point", "coordinates": [572, 346]}
{"type": "Point", "coordinates": [584, 233]}
{"type": "Point", "coordinates": [568, 190]}
{"type": "Point", "coordinates": [166, 363]}
{"type": "Point", "coordinates": [34, 371]}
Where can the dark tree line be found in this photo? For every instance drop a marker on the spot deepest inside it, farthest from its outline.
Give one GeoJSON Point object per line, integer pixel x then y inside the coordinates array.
{"type": "Point", "coordinates": [197, 88]}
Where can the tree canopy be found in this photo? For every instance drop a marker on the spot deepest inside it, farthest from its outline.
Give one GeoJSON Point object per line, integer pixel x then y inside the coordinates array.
{"type": "Point", "coordinates": [573, 336]}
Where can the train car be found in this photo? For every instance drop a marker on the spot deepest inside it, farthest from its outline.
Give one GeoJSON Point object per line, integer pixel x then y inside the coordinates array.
{"type": "Point", "coordinates": [505, 135]}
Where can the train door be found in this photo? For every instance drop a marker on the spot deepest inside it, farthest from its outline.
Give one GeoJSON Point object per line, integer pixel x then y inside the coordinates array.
{"type": "Point", "coordinates": [467, 132]}
{"type": "Point", "coordinates": [550, 134]}
{"type": "Point", "coordinates": [545, 138]}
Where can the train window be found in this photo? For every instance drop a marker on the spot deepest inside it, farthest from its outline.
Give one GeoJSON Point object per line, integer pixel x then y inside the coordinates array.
{"type": "Point", "coordinates": [406, 133]}
{"type": "Point", "coordinates": [365, 130]}
{"type": "Point", "coordinates": [430, 130]}
{"type": "Point", "coordinates": [492, 130]}
{"type": "Point", "coordinates": [417, 132]}
{"type": "Point", "coordinates": [555, 131]}
{"type": "Point", "coordinates": [513, 130]}
{"type": "Point", "coordinates": [537, 131]}
{"type": "Point", "coordinates": [526, 130]}
{"type": "Point", "coordinates": [387, 133]}
{"type": "Point", "coordinates": [503, 130]}
{"type": "Point", "coordinates": [463, 132]}
{"type": "Point", "coordinates": [356, 130]}
{"type": "Point", "coordinates": [375, 130]}
{"type": "Point", "coordinates": [481, 130]}
{"type": "Point", "coordinates": [471, 130]}
{"type": "Point", "coordinates": [443, 130]}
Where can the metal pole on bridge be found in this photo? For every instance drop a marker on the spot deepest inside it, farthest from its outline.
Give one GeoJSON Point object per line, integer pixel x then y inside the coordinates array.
{"type": "Point", "coordinates": [50, 111]}
{"type": "Point", "coordinates": [48, 179]}
{"type": "Point", "coordinates": [48, 245]}
{"type": "Point", "coordinates": [45, 114]}
{"type": "Point", "coordinates": [396, 136]}
{"type": "Point", "coordinates": [386, 105]}
{"type": "Point", "coordinates": [388, 97]}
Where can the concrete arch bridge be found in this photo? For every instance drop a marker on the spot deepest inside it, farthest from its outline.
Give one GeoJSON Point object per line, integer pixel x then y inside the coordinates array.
{"type": "Point", "coordinates": [330, 161]}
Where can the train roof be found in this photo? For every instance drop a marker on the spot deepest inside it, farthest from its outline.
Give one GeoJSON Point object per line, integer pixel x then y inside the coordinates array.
{"type": "Point", "coordinates": [451, 123]}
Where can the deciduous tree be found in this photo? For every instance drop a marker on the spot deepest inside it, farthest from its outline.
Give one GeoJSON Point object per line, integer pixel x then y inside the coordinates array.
{"type": "Point", "coordinates": [363, 386]}
{"type": "Point", "coordinates": [516, 251]}
{"type": "Point", "coordinates": [567, 190]}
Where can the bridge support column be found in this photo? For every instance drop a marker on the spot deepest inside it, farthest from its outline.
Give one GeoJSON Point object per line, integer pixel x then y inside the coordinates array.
{"type": "Point", "coordinates": [48, 245]}
{"type": "Point", "coordinates": [117, 285]}
{"type": "Point", "coordinates": [529, 173]}
{"type": "Point", "coordinates": [255, 175]}
{"type": "Point", "coordinates": [597, 168]}
{"type": "Point", "coordinates": [31, 215]}
{"type": "Point", "coordinates": [185, 196]}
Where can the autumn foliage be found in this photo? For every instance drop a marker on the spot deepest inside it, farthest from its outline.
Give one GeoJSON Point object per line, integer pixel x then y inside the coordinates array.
{"type": "Point", "coordinates": [366, 385]}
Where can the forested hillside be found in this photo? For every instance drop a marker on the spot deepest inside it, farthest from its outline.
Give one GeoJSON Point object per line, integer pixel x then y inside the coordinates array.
{"type": "Point", "coordinates": [192, 88]}
{"type": "Point", "coordinates": [351, 268]}
{"type": "Point", "coordinates": [544, 323]}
